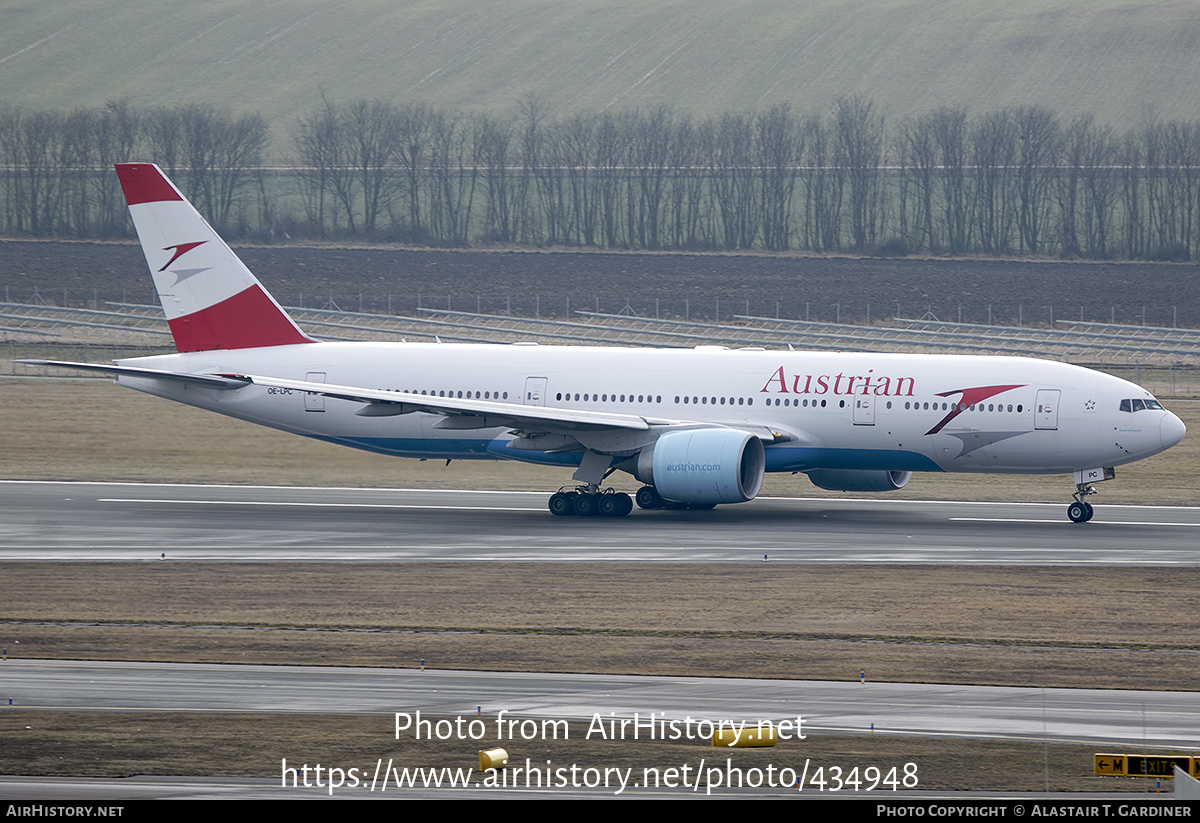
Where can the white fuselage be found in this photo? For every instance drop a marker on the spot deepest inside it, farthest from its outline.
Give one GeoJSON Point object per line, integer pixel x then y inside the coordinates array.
{"type": "Point", "coordinates": [894, 412]}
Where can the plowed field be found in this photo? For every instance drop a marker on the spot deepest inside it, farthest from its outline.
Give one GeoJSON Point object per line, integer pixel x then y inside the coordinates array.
{"type": "Point", "coordinates": [696, 285]}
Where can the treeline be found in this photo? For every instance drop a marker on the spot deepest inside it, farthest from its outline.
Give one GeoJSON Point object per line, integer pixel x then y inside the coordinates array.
{"type": "Point", "coordinates": [57, 176]}
{"type": "Point", "coordinates": [1017, 180]}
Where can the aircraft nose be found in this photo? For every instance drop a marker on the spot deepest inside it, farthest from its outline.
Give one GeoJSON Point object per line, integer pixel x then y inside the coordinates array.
{"type": "Point", "coordinates": [1171, 430]}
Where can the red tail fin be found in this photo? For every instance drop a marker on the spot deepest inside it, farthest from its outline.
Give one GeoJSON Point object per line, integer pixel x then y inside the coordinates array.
{"type": "Point", "coordinates": [211, 299]}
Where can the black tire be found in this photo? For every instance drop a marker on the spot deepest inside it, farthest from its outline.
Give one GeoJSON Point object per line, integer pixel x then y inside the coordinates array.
{"type": "Point", "coordinates": [1077, 513]}
{"type": "Point", "coordinates": [1091, 512]}
{"type": "Point", "coordinates": [649, 498]}
{"type": "Point", "coordinates": [608, 505]}
{"type": "Point", "coordinates": [626, 504]}
{"type": "Point", "coordinates": [561, 504]}
{"type": "Point", "coordinates": [585, 505]}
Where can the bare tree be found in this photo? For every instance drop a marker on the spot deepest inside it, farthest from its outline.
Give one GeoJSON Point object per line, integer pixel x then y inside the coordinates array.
{"type": "Point", "coordinates": [1098, 176]}
{"type": "Point", "coordinates": [993, 144]}
{"type": "Point", "coordinates": [950, 131]}
{"type": "Point", "coordinates": [10, 129]}
{"type": "Point", "coordinates": [1038, 143]}
{"type": "Point", "coordinates": [824, 181]}
{"type": "Point", "coordinates": [533, 114]}
{"type": "Point", "coordinates": [1133, 170]}
{"type": "Point", "coordinates": [577, 149]}
{"type": "Point", "coordinates": [918, 152]}
{"type": "Point", "coordinates": [315, 136]}
{"type": "Point", "coordinates": [40, 160]}
{"type": "Point", "coordinates": [651, 148]}
{"type": "Point", "coordinates": [240, 145]}
{"type": "Point", "coordinates": [496, 141]}
{"type": "Point", "coordinates": [858, 131]}
{"type": "Point", "coordinates": [454, 160]}
{"type": "Point", "coordinates": [610, 159]}
{"type": "Point", "coordinates": [686, 185]}
{"type": "Point", "coordinates": [118, 140]}
{"type": "Point", "coordinates": [778, 145]}
{"type": "Point", "coordinates": [372, 145]}
{"type": "Point", "coordinates": [735, 182]}
{"type": "Point", "coordinates": [414, 127]}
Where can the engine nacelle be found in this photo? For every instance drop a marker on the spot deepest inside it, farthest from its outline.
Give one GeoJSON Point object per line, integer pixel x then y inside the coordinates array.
{"type": "Point", "coordinates": [854, 480]}
{"type": "Point", "coordinates": [704, 466]}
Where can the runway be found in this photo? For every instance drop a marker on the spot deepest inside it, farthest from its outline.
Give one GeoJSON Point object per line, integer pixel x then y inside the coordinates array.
{"type": "Point", "coordinates": [1090, 716]}
{"type": "Point", "coordinates": [100, 522]}
{"type": "Point", "coordinates": [115, 521]}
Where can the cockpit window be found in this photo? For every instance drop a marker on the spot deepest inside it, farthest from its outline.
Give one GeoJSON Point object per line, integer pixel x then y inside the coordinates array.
{"type": "Point", "coordinates": [1138, 404]}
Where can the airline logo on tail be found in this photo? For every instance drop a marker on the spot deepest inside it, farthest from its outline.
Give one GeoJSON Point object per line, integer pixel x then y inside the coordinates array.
{"type": "Point", "coordinates": [215, 303]}
{"type": "Point", "coordinates": [180, 251]}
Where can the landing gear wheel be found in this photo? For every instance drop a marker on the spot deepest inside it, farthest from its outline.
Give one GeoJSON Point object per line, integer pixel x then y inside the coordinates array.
{"type": "Point", "coordinates": [1081, 511]}
{"type": "Point", "coordinates": [585, 504]}
{"type": "Point", "coordinates": [649, 498]}
{"type": "Point", "coordinates": [561, 504]}
{"type": "Point", "coordinates": [614, 504]}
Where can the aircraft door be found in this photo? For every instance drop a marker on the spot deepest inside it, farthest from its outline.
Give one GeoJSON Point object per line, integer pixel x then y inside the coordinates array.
{"type": "Point", "coordinates": [1046, 414]}
{"type": "Point", "coordinates": [314, 402]}
{"type": "Point", "coordinates": [864, 410]}
{"type": "Point", "coordinates": [535, 391]}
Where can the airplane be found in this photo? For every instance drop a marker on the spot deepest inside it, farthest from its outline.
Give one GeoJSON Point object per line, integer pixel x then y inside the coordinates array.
{"type": "Point", "coordinates": [697, 427]}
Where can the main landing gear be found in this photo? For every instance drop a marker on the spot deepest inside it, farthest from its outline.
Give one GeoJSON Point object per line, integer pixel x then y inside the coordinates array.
{"type": "Point", "coordinates": [1081, 511]}
{"type": "Point", "coordinates": [649, 498]}
{"type": "Point", "coordinates": [588, 501]}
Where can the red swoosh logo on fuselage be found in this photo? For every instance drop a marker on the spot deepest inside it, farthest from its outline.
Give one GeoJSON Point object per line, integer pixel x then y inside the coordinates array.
{"type": "Point", "coordinates": [969, 398]}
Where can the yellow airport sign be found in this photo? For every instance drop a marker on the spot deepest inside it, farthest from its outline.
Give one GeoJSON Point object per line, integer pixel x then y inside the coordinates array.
{"type": "Point", "coordinates": [1144, 765]}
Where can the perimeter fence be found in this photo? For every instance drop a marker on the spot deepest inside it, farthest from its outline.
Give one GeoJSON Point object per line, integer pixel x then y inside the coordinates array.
{"type": "Point", "coordinates": [667, 305]}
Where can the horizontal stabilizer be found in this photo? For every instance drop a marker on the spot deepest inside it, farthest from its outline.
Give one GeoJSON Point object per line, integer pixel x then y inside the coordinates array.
{"type": "Point", "coordinates": [209, 381]}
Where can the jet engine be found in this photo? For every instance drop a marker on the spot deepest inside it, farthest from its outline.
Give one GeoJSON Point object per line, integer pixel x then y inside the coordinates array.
{"type": "Point", "coordinates": [704, 466]}
{"type": "Point", "coordinates": [854, 480]}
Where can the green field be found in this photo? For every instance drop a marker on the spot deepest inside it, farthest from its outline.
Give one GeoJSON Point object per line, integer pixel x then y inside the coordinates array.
{"type": "Point", "coordinates": [1116, 59]}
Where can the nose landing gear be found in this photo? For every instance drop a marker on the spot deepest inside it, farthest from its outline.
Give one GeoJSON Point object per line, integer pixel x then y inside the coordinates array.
{"type": "Point", "coordinates": [1081, 511]}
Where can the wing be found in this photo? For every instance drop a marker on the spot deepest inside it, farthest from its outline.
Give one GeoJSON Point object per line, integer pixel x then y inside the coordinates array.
{"type": "Point", "coordinates": [535, 427]}
{"type": "Point", "coordinates": [481, 414]}
{"type": "Point", "coordinates": [464, 413]}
